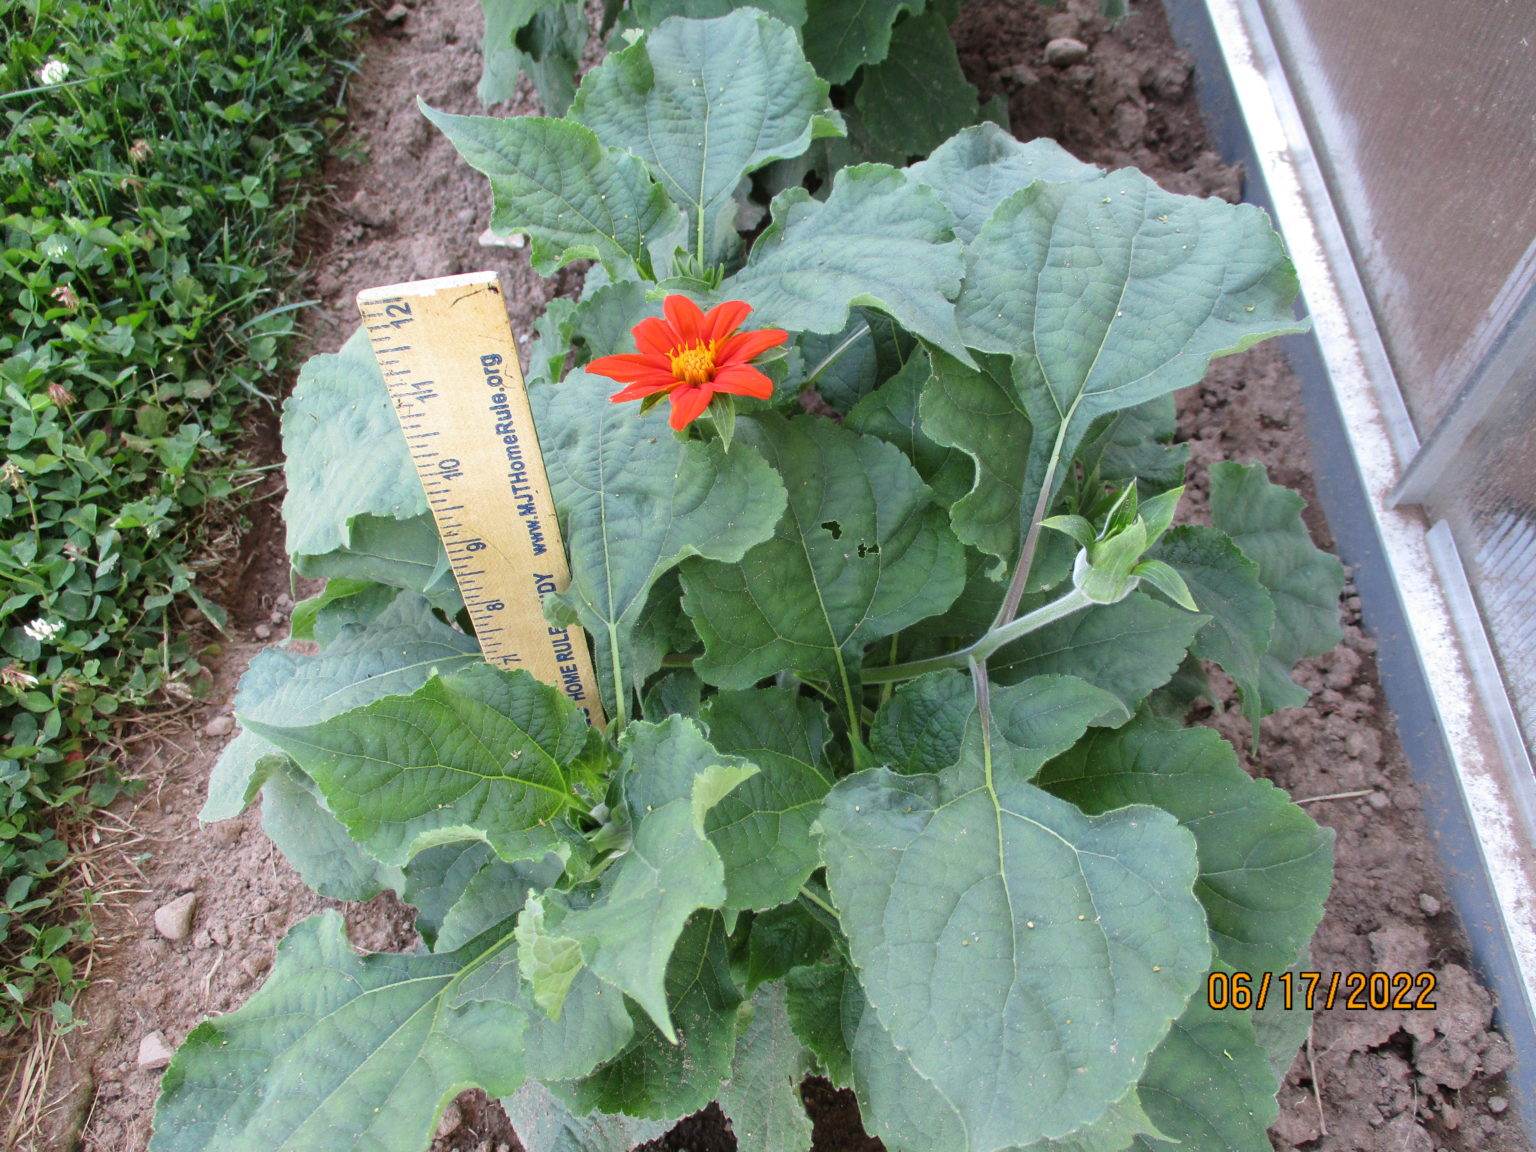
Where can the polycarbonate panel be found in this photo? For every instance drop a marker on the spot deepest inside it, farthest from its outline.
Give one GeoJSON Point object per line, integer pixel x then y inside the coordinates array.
{"type": "Point", "coordinates": [1423, 114]}
{"type": "Point", "coordinates": [1490, 504]}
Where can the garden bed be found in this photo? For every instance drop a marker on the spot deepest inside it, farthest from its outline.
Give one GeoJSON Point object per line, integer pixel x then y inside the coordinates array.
{"type": "Point", "coordinates": [408, 208]}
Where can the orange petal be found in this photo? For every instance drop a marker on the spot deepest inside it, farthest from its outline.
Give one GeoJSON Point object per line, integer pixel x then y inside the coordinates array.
{"type": "Point", "coordinates": [628, 366]}
{"type": "Point", "coordinates": [743, 380]}
{"type": "Point", "coordinates": [688, 403]}
{"type": "Point", "coordinates": [744, 345]}
{"type": "Point", "coordinates": [723, 319]}
{"type": "Point", "coordinates": [686, 319]}
{"type": "Point", "coordinates": [640, 391]}
{"type": "Point", "coordinates": [655, 336]}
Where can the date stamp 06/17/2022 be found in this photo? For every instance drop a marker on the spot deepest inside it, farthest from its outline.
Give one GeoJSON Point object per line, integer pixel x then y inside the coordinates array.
{"type": "Point", "coordinates": [1359, 991]}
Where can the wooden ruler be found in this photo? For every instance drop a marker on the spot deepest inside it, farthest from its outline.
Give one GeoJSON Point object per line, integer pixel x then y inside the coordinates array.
{"type": "Point", "coordinates": [446, 350]}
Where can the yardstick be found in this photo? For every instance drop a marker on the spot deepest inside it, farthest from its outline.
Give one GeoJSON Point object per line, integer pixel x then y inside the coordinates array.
{"type": "Point", "coordinates": [445, 348]}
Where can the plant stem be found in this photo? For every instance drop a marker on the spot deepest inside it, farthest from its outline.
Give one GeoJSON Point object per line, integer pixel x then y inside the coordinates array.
{"type": "Point", "coordinates": [831, 357]}
{"type": "Point", "coordinates": [807, 895]}
{"type": "Point", "coordinates": [1020, 579]}
{"type": "Point", "coordinates": [618, 679]}
{"type": "Point", "coordinates": [995, 638]}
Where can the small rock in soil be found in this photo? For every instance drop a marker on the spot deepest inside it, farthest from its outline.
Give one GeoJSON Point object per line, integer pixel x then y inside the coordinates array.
{"type": "Point", "coordinates": [219, 726]}
{"type": "Point", "coordinates": [1065, 52]}
{"type": "Point", "coordinates": [174, 920]}
{"type": "Point", "coordinates": [263, 631]}
{"type": "Point", "coordinates": [154, 1053]}
{"type": "Point", "coordinates": [397, 14]}
{"type": "Point", "coordinates": [1497, 1104]}
{"type": "Point", "coordinates": [1430, 905]}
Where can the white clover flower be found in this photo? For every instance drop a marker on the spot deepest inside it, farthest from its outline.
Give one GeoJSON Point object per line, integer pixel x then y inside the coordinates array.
{"type": "Point", "coordinates": [42, 630]}
{"type": "Point", "coordinates": [14, 678]}
{"type": "Point", "coordinates": [54, 248]}
{"type": "Point", "coordinates": [53, 72]}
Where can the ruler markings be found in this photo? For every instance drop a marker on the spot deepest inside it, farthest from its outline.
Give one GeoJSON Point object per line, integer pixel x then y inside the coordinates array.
{"type": "Point", "coordinates": [469, 398]}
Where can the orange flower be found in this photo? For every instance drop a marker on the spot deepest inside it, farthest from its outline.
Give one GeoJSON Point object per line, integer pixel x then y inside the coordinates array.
{"type": "Point", "coordinates": [690, 356]}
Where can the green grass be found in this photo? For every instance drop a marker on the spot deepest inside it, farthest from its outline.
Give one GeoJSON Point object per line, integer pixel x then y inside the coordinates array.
{"type": "Point", "coordinates": [150, 185]}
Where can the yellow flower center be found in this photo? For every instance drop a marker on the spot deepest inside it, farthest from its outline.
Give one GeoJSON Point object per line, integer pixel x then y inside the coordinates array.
{"type": "Point", "coordinates": [694, 365]}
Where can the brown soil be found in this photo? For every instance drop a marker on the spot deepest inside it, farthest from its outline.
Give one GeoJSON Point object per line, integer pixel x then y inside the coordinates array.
{"type": "Point", "coordinates": [405, 208]}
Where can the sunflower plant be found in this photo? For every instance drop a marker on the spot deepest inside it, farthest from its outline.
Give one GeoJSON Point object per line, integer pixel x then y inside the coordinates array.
{"type": "Point", "coordinates": [897, 631]}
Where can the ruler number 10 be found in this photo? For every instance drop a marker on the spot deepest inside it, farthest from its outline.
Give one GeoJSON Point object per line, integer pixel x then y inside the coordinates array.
{"type": "Point", "coordinates": [448, 468]}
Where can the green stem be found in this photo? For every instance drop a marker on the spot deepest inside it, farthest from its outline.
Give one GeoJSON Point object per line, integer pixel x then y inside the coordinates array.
{"type": "Point", "coordinates": [831, 357]}
{"type": "Point", "coordinates": [618, 679]}
{"type": "Point", "coordinates": [995, 638]}
{"type": "Point", "coordinates": [807, 895]}
{"type": "Point", "coordinates": [1020, 579]}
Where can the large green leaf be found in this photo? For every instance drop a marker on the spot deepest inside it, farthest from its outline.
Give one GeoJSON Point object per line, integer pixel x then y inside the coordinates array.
{"type": "Point", "coordinates": [814, 998]}
{"type": "Point", "coordinates": [917, 97]}
{"type": "Point", "coordinates": [969, 410]}
{"type": "Point", "coordinates": [406, 554]}
{"type": "Point", "coordinates": [1137, 444]}
{"type": "Point", "coordinates": [475, 754]}
{"type": "Point", "coordinates": [704, 103]}
{"type": "Point", "coordinates": [1110, 293]}
{"type": "Point", "coordinates": [346, 455]}
{"type": "Point", "coordinates": [338, 1050]}
{"type": "Point", "coordinates": [979, 167]}
{"type": "Point", "coordinates": [394, 654]}
{"type": "Point", "coordinates": [1265, 865]}
{"type": "Point", "coordinates": [762, 830]}
{"type": "Point", "coordinates": [545, 1124]}
{"type": "Point", "coordinates": [1264, 520]}
{"type": "Point", "coordinates": [1208, 1085]}
{"type": "Point", "coordinates": [649, 13]}
{"type": "Point", "coordinates": [656, 1078]}
{"type": "Point", "coordinates": [890, 412]}
{"type": "Point", "coordinates": [925, 725]}
{"type": "Point", "coordinates": [843, 35]}
{"type": "Point", "coordinates": [1127, 649]}
{"type": "Point", "coordinates": [542, 37]}
{"type": "Point", "coordinates": [860, 553]}
{"type": "Point", "coordinates": [1023, 956]}
{"type": "Point", "coordinates": [634, 500]}
{"type": "Point", "coordinates": [574, 198]}
{"type": "Point", "coordinates": [462, 889]}
{"type": "Point", "coordinates": [1225, 586]}
{"type": "Point", "coordinates": [762, 1096]}
{"type": "Point", "coordinates": [780, 940]}
{"type": "Point", "coordinates": [626, 928]}
{"type": "Point", "coordinates": [314, 842]}
{"type": "Point", "coordinates": [879, 239]}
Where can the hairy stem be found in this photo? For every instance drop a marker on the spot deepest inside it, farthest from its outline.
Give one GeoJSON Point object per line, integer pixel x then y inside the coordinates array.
{"type": "Point", "coordinates": [1020, 579]}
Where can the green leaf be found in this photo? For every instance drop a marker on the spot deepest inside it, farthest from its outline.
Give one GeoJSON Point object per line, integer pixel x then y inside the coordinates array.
{"type": "Point", "coordinates": [917, 97]}
{"type": "Point", "coordinates": [860, 553]}
{"type": "Point", "coordinates": [393, 655]}
{"type": "Point", "coordinates": [316, 844]}
{"type": "Point", "coordinates": [574, 198]}
{"type": "Point", "coordinates": [539, 27]}
{"type": "Point", "coordinates": [879, 240]}
{"type": "Point", "coordinates": [1127, 649]}
{"type": "Point", "coordinates": [406, 554]}
{"type": "Point", "coordinates": [1265, 865]}
{"type": "Point", "coordinates": [1111, 293]}
{"type": "Point", "coordinates": [762, 830]}
{"type": "Point", "coordinates": [814, 998]}
{"type": "Point", "coordinates": [1137, 444]}
{"type": "Point", "coordinates": [346, 456]}
{"type": "Point", "coordinates": [780, 940]}
{"type": "Point", "coordinates": [339, 1050]}
{"type": "Point", "coordinates": [650, 13]}
{"type": "Point", "coordinates": [704, 103]}
{"type": "Point", "coordinates": [626, 928]}
{"type": "Point", "coordinates": [979, 167]}
{"type": "Point", "coordinates": [1225, 585]}
{"type": "Point", "coordinates": [927, 723]}
{"type": "Point", "coordinates": [653, 1077]}
{"type": "Point", "coordinates": [634, 500]}
{"type": "Point", "coordinates": [890, 413]}
{"type": "Point", "coordinates": [1281, 1031]}
{"type": "Point", "coordinates": [463, 889]}
{"type": "Point", "coordinates": [762, 1096]}
{"type": "Point", "coordinates": [545, 1124]}
{"type": "Point", "coordinates": [1208, 1086]}
{"type": "Point", "coordinates": [879, 349]}
{"type": "Point", "coordinates": [475, 754]}
{"type": "Point", "coordinates": [843, 35]}
{"type": "Point", "coordinates": [1002, 937]}
{"type": "Point", "coordinates": [1264, 521]}
{"type": "Point", "coordinates": [594, 1026]}
{"type": "Point", "coordinates": [969, 410]}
